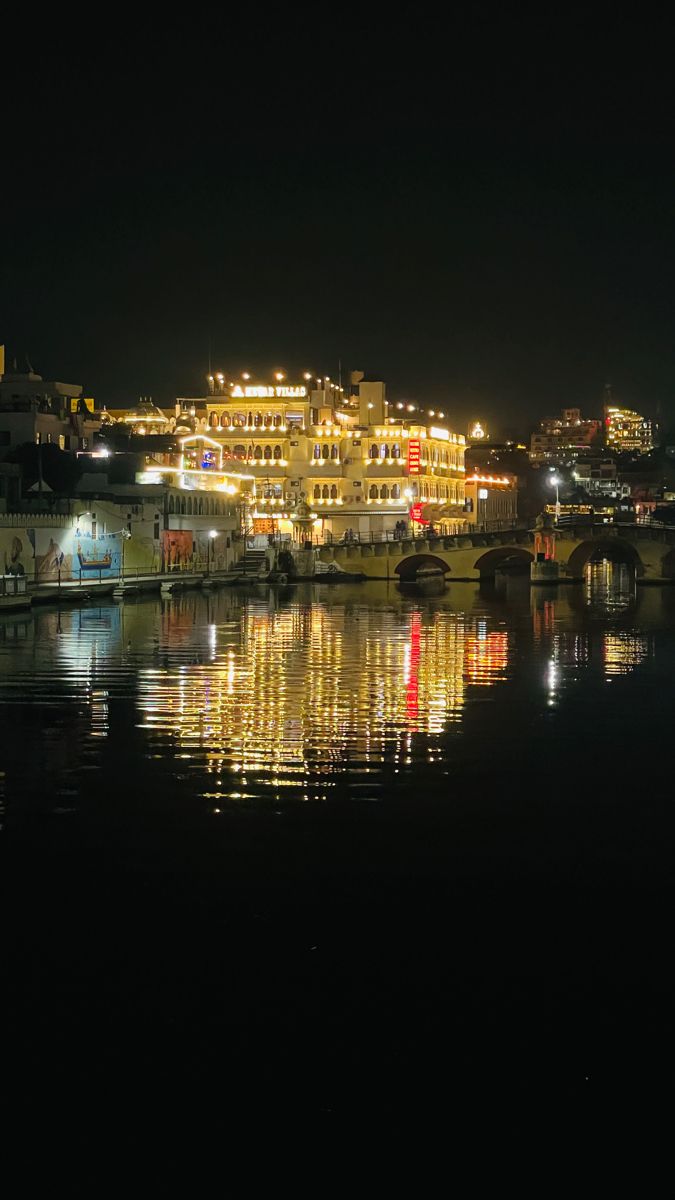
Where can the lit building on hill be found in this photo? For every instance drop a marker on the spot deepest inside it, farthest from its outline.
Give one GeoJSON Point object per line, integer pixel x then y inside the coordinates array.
{"type": "Point", "coordinates": [562, 440]}
{"type": "Point", "coordinates": [626, 430]}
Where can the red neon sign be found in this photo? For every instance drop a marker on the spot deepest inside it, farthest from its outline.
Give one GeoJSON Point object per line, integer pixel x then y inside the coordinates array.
{"type": "Point", "coordinates": [413, 456]}
{"type": "Point", "coordinates": [416, 514]}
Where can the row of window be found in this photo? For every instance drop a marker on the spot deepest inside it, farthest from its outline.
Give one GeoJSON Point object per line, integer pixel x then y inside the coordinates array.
{"type": "Point", "coordinates": [197, 506]}
{"type": "Point", "coordinates": [428, 454]}
{"type": "Point", "coordinates": [64, 443]}
{"type": "Point", "coordinates": [240, 420]}
{"type": "Point", "coordinates": [384, 492]}
{"type": "Point", "coordinates": [259, 454]}
{"type": "Point", "coordinates": [326, 451]}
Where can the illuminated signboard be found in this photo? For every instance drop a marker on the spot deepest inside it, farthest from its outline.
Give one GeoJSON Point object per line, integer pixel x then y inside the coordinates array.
{"type": "Point", "coordinates": [413, 456]}
{"type": "Point", "coordinates": [268, 393]}
{"type": "Point", "coordinates": [416, 514]}
{"type": "Point", "coordinates": [436, 432]}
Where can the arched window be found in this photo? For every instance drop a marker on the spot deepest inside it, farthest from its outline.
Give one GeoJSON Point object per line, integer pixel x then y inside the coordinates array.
{"type": "Point", "coordinates": [384, 492]}
{"type": "Point", "coordinates": [225, 420]}
{"type": "Point", "coordinates": [396, 450]}
{"type": "Point", "coordinates": [189, 506]}
{"type": "Point", "coordinates": [373, 492]}
{"type": "Point", "coordinates": [250, 419]}
{"type": "Point", "coordinates": [171, 505]}
{"type": "Point", "coordinates": [239, 452]}
{"type": "Point", "coordinates": [396, 492]}
{"type": "Point", "coordinates": [384, 450]}
{"type": "Point", "coordinates": [277, 420]}
{"type": "Point", "coordinates": [258, 420]}
{"type": "Point", "coordinates": [268, 420]}
{"type": "Point", "coordinates": [317, 491]}
{"type": "Point", "coordinates": [201, 508]}
{"type": "Point", "coordinates": [317, 450]}
{"type": "Point", "coordinates": [268, 452]}
{"type": "Point", "coordinates": [334, 451]}
{"type": "Point", "coordinates": [182, 506]}
{"type": "Point", "coordinates": [333, 492]}
{"type": "Point", "coordinates": [213, 420]}
{"type": "Point", "coordinates": [374, 451]}
{"type": "Point", "coordinates": [325, 451]}
{"type": "Point", "coordinates": [257, 453]}
{"type": "Point", "coordinates": [277, 451]}
{"type": "Point", "coordinates": [325, 492]}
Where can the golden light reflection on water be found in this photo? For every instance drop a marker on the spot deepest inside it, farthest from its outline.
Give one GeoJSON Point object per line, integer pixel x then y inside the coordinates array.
{"type": "Point", "coordinates": [239, 696]}
{"type": "Point", "coordinates": [303, 694]}
{"type": "Point", "coordinates": [623, 652]}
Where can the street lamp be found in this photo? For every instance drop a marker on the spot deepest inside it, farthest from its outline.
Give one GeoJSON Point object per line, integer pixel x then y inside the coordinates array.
{"type": "Point", "coordinates": [125, 534]}
{"type": "Point", "coordinates": [555, 482]}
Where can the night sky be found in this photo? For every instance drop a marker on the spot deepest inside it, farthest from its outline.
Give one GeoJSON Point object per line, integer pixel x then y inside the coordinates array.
{"type": "Point", "coordinates": [495, 239]}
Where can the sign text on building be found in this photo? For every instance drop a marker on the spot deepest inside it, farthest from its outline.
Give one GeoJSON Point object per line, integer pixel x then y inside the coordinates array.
{"type": "Point", "coordinates": [268, 393]}
{"type": "Point", "coordinates": [413, 456]}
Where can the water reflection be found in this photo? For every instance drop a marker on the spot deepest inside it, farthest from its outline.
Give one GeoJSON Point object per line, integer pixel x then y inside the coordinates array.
{"type": "Point", "coordinates": [293, 696]}
{"type": "Point", "coordinates": [313, 692]}
{"type": "Point", "coordinates": [609, 587]}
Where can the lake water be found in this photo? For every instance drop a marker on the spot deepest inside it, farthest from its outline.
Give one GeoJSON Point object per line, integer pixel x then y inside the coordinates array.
{"type": "Point", "coordinates": [401, 811]}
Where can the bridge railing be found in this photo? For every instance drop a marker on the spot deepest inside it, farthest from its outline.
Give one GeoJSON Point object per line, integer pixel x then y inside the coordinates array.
{"type": "Point", "coordinates": [377, 537]}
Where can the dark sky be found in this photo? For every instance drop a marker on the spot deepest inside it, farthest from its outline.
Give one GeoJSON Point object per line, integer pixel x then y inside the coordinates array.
{"type": "Point", "coordinates": [490, 232]}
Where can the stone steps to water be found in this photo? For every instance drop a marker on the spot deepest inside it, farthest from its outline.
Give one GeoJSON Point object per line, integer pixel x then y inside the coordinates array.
{"type": "Point", "coordinates": [250, 563]}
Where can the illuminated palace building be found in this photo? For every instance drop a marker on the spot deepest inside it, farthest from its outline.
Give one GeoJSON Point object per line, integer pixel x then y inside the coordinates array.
{"type": "Point", "coordinates": [361, 463]}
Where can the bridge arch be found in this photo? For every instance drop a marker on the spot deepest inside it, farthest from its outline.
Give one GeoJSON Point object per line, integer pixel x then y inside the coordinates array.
{"type": "Point", "coordinates": [408, 567]}
{"type": "Point", "coordinates": [499, 556]}
{"type": "Point", "coordinates": [613, 549]}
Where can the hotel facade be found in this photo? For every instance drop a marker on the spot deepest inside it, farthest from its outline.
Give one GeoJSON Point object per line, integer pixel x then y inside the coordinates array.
{"type": "Point", "coordinates": [362, 464]}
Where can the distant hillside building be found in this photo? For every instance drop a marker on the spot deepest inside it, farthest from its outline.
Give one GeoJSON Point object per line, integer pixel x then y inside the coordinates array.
{"type": "Point", "coordinates": [562, 440]}
{"type": "Point", "coordinates": [627, 430]}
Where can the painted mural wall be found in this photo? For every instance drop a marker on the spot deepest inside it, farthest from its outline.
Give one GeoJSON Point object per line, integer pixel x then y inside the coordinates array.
{"type": "Point", "coordinates": [49, 554]}
{"type": "Point", "coordinates": [177, 549]}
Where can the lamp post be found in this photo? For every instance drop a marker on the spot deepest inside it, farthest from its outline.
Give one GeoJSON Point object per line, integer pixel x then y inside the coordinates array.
{"type": "Point", "coordinates": [213, 533]}
{"type": "Point", "coordinates": [125, 535]}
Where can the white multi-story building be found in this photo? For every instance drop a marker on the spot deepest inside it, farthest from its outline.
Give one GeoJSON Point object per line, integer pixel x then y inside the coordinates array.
{"type": "Point", "coordinates": [562, 440]}
{"type": "Point", "coordinates": [361, 463]}
{"type": "Point", "coordinates": [33, 409]}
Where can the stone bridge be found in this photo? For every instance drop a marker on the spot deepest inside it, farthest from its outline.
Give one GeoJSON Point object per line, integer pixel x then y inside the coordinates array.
{"type": "Point", "coordinates": [649, 549]}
